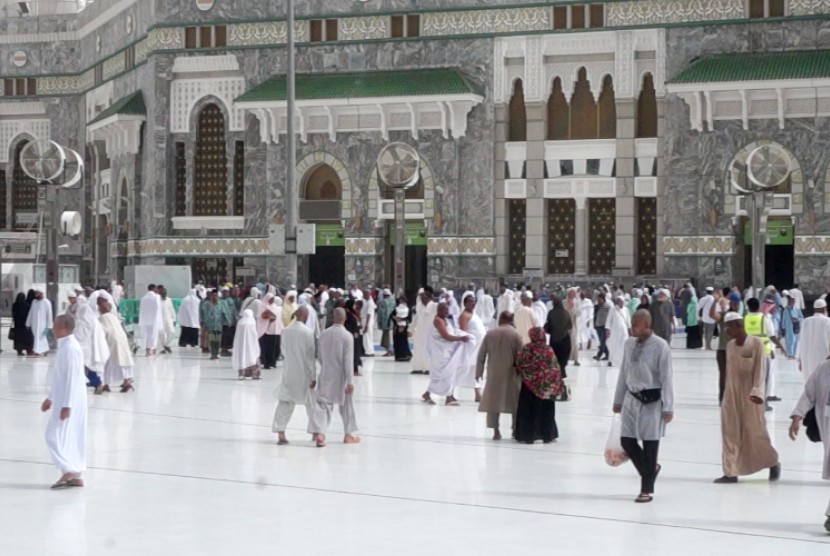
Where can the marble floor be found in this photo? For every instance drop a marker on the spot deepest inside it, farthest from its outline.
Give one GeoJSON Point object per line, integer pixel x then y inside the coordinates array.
{"type": "Point", "coordinates": [187, 464]}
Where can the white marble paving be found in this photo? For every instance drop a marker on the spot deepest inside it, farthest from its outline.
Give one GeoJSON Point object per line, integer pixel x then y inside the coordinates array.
{"type": "Point", "coordinates": [187, 464]}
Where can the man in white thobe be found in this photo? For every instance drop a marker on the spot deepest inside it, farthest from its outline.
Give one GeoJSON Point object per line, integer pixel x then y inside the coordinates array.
{"type": "Point", "coordinates": [617, 326]}
{"type": "Point", "coordinates": [540, 312]}
{"type": "Point", "coordinates": [66, 428]}
{"type": "Point", "coordinates": [505, 301]}
{"type": "Point", "coordinates": [817, 396]}
{"type": "Point", "coordinates": [149, 319]}
{"type": "Point", "coordinates": [168, 320]}
{"type": "Point", "coordinates": [189, 320]}
{"type": "Point", "coordinates": [119, 366]}
{"type": "Point", "coordinates": [335, 384]}
{"type": "Point", "coordinates": [90, 335]}
{"type": "Point", "coordinates": [117, 292]}
{"type": "Point", "coordinates": [525, 318]}
{"type": "Point", "coordinates": [299, 376]}
{"type": "Point", "coordinates": [367, 317]}
{"type": "Point", "coordinates": [485, 309]}
{"type": "Point", "coordinates": [814, 347]}
{"type": "Point", "coordinates": [422, 328]}
{"type": "Point", "coordinates": [40, 322]}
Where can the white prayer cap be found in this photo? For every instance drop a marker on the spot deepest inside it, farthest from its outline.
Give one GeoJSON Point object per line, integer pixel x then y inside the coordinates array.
{"type": "Point", "coordinates": [225, 289]}
{"type": "Point", "coordinates": [820, 304]}
{"type": "Point", "coordinates": [710, 289]}
{"type": "Point", "coordinates": [638, 292]}
{"type": "Point", "coordinates": [732, 315]}
{"type": "Point", "coordinates": [402, 311]}
{"type": "Point", "coordinates": [387, 292]}
{"type": "Point", "coordinates": [528, 294]}
{"type": "Point", "coordinates": [71, 294]}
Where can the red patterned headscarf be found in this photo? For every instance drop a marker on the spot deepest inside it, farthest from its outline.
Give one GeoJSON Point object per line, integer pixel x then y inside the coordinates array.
{"type": "Point", "coordinates": [538, 367]}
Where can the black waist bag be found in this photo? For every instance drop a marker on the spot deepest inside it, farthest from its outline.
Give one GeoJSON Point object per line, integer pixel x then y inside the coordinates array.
{"type": "Point", "coordinates": [648, 396]}
{"type": "Point", "coordinates": [811, 424]}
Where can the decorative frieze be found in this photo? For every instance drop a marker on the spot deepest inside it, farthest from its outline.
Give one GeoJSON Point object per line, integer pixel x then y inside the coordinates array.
{"type": "Point", "coordinates": [698, 245]}
{"type": "Point", "coordinates": [809, 7]}
{"type": "Point", "coordinates": [652, 12]}
{"type": "Point", "coordinates": [186, 92]}
{"type": "Point", "coordinates": [192, 247]}
{"type": "Point", "coordinates": [363, 28]}
{"type": "Point", "coordinates": [165, 38]}
{"type": "Point", "coordinates": [113, 66]}
{"type": "Point", "coordinates": [812, 245]}
{"type": "Point", "coordinates": [364, 246]}
{"type": "Point", "coordinates": [453, 246]}
{"type": "Point", "coordinates": [515, 20]}
{"type": "Point", "coordinates": [265, 33]}
{"type": "Point", "coordinates": [59, 84]}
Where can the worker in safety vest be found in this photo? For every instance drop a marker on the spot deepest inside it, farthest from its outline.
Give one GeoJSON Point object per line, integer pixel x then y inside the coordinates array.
{"type": "Point", "coordinates": [760, 325]}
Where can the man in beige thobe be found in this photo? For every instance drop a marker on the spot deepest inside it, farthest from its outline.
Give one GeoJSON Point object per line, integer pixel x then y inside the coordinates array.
{"type": "Point", "coordinates": [525, 318]}
{"type": "Point", "coordinates": [335, 383]}
{"type": "Point", "coordinates": [499, 350]}
{"type": "Point", "coordinates": [746, 444]}
{"type": "Point", "coordinates": [299, 376]}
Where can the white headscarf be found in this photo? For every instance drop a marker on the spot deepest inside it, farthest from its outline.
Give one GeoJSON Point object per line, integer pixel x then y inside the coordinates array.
{"type": "Point", "coordinates": [245, 342]}
{"type": "Point", "coordinates": [189, 310]}
{"type": "Point", "coordinates": [264, 325]}
{"type": "Point", "coordinates": [91, 336]}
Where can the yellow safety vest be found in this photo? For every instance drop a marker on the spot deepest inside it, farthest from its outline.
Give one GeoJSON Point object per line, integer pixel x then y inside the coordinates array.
{"type": "Point", "coordinates": [754, 326]}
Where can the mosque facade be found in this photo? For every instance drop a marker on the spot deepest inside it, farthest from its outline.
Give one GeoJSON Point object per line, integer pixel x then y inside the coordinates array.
{"type": "Point", "coordinates": [559, 141]}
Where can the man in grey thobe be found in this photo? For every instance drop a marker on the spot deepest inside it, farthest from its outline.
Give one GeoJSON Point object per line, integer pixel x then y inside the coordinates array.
{"type": "Point", "coordinates": [299, 376]}
{"type": "Point", "coordinates": [645, 399]}
{"type": "Point", "coordinates": [817, 396]}
{"type": "Point", "coordinates": [335, 383]}
{"type": "Point", "coordinates": [662, 315]}
{"type": "Point", "coordinates": [499, 350]}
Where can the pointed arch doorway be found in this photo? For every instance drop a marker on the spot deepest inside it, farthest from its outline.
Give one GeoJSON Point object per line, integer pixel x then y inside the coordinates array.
{"type": "Point", "coordinates": [321, 204]}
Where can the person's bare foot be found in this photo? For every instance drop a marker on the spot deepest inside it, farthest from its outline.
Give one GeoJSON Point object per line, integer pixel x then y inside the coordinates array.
{"type": "Point", "coordinates": [478, 395]}
{"type": "Point", "coordinates": [63, 482]}
{"type": "Point", "coordinates": [351, 439]}
{"type": "Point", "coordinates": [427, 399]}
{"type": "Point", "coordinates": [496, 434]}
{"type": "Point", "coordinates": [320, 440]}
{"type": "Point", "coordinates": [451, 401]}
{"type": "Point", "coordinates": [281, 439]}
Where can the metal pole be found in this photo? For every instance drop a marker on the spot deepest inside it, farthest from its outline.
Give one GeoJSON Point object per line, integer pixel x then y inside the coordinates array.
{"type": "Point", "coordinates": [757, 203]}
{"type": "Point", "coordinates": [52, 264]}
{"type": "Point", "coordinates": [400, 245]}
{"type": "Point", "coordinates": [292, 194]}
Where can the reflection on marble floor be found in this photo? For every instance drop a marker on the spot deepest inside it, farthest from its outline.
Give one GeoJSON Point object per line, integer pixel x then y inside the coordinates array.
{"type": "Point", "coordinates": [187, 464]}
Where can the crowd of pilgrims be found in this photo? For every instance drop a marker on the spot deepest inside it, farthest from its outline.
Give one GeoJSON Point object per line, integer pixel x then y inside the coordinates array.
{"type": "Point", "coordinates": [511, 350]}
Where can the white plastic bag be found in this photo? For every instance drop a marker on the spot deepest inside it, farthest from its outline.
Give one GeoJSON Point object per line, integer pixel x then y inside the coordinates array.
{"type": "Point", "coordinates": [614, 453]}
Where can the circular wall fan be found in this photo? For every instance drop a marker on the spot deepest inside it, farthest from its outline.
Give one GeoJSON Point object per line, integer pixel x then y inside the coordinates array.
{"type": "Point", "coordinates": [768, 166]}
{"type": "Point", "coordinates": [43, 161]}
{"type": "Point", "coordinates": [398, 165]}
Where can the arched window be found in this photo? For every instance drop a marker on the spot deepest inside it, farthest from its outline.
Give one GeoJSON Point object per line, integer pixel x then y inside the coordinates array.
{"type": "Point", "coordinates": [558, 113]}
{"type": "Point", "coordinates": [517, 124]}
{"type": "Point", "coordinates": [323, 184]}
{"type": "Point", "coordinates": [24, 191]}
{"type": "Point", "coordinates": [583, 109]}
{"type": "Point", "coordinates": [210, 187]}
{"type": "Point", "coordinates": [607, 110]}
{"type": "Point", "coordinates": [647, 109]}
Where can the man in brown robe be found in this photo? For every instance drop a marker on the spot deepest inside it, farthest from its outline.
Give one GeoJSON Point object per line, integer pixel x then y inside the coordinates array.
{"type": "Point", "coordinates": [746, 445]}
{"type": "Point", "coordinates": [499, 350]}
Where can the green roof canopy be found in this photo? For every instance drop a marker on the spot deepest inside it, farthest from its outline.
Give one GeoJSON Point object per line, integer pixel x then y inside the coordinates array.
{"type": "Point", "coordinates": [367, 84]}
{"type": "Point", "coordinates": [763, 66]}
{"type": "Point", "coordinates": [131, 105]}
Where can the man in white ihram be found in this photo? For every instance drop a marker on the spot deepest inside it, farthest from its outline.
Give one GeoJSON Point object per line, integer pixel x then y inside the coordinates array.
{"type": "Point", "coordinates": [335, 383]}
{"type": "Point", "coordinates": [149, 319]}
{"type": "Point", "coordinates": [40, 322]}
{"type": "Point", "coordinates": [814, 347]}
{"type": "Point", "coordinates": [66, 428]}
{"type": "Point", "coordinates": [299, 375]}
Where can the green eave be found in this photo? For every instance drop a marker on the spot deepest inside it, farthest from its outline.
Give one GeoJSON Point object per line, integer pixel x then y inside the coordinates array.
{"type": "Point", "coordinates": [366, 84]}
{"type": "Point", "coordinates": [132, 105]}
{"type": "Point", "coordinates": [762, 66]}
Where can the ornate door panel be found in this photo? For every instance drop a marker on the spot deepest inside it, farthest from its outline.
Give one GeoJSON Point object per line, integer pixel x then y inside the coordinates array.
{"type": "Point", "coordinates": [646, 235]}
{"type": "Point", "coordinates": [517, 235]}
{"type": "Point", "coordinates": [602, 254]}
{"type": "Point", "coordinates": [561, 236]}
